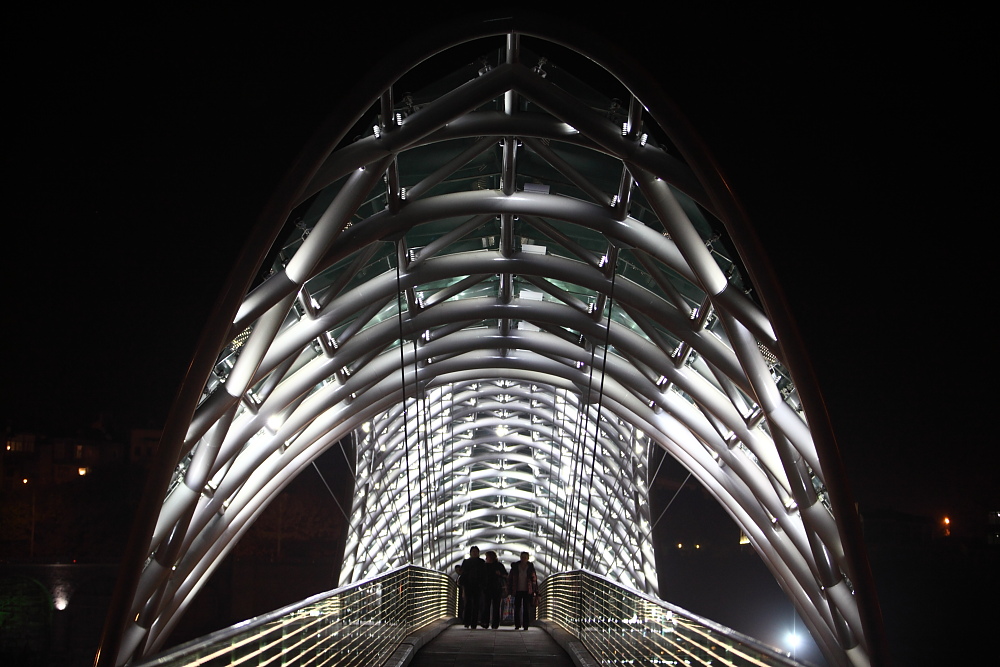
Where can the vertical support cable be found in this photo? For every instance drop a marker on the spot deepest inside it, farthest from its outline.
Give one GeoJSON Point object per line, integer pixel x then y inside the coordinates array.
{"type": "Point", "coordinates": [508, 180]}
{"type": "Point", "coordinates": [604, 373]}
{"type": "Point", "coordinates": [400, 255]}
{"type": "Point", "coordinates": [562, 490]}
{"type": "Point", "coordinates": [574, 489]}
{"type": "Point", "coordinates": [421, 470]}
{"type": "Point", "coordinates": [626, 470]}
{"type": "Point", "coordinates": [451, 472]}
{"type": "Point", "coordinates": [579, 459]}
{"type": "Point", "coordinates": [432, 510]}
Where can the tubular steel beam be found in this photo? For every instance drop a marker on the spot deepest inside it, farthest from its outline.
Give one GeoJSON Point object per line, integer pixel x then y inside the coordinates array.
{"type": "Point", "coordinates": [516, 397]}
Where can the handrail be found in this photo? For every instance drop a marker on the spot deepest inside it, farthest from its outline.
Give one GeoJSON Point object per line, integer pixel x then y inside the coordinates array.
{"type": "Point", "coordinates": [364, 623]}
{"type": "Point", "coordinates": [618, 625]}
{"type": "Point", "coordinates": [359, 624]}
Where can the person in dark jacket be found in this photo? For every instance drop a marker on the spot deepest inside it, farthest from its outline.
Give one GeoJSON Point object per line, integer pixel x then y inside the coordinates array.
{"type": "Point", "coordinates": [523, 585]}
{"type": "Point", "coordinates": [472, 583]}
{"type": "Point", "coordinates": [493, 592]}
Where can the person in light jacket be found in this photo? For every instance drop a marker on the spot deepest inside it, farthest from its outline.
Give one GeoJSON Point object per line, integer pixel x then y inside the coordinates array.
{"type": "Point", "coordinates": [523, 585]}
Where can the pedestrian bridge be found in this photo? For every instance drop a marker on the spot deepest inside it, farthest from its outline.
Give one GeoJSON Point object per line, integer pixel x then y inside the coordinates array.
{"type": "Point", "coordinates": [502, 276]}
{"type": "Point", "coordinates": [398, 618]}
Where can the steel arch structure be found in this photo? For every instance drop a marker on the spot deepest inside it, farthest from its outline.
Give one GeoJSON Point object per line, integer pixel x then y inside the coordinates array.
{"type": "Point", "coordinates": [506, 291]}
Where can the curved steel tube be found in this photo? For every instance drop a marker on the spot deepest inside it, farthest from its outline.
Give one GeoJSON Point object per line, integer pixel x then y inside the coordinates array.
{"type": "Point", "coordinates": [505, 342]}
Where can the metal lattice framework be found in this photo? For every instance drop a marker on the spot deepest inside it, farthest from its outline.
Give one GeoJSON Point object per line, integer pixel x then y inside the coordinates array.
{"type": "Point", "coordinates": [505, 292]}
{"type": "Point", "coordinates": [508, 463]}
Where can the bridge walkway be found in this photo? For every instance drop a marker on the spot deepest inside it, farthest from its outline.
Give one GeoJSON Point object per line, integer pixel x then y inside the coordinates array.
{"type": "Point", "coordinates": [458, 646]}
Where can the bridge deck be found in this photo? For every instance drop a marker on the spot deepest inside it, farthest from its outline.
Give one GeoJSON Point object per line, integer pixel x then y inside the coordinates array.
{"type": "Point", "coordinates": [506, 647]}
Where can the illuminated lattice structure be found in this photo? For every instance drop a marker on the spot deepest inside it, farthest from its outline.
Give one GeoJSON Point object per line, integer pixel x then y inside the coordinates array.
{"type": "Point", "coordinates": [503, 465]}
{"type": "Point", "coordinates": [505, 291]}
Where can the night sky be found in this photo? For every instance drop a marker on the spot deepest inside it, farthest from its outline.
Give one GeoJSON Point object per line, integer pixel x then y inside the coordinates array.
{"type": "Point", "coordinates": [143, 147]}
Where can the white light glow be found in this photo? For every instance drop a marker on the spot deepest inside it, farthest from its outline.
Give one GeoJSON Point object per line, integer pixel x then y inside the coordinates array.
{"type": "Point", "coordinates": [274, 423]}
{"type": "Point", "coordinates": [60, 597]}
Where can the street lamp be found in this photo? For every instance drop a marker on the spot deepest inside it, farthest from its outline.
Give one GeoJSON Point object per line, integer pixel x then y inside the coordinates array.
{"type": "Point", "coordinates": [793, 640]}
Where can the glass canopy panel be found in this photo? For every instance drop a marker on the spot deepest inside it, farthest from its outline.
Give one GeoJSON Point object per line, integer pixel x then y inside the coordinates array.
{"type": "Point", "coordinates": [425, 234]}
{"type": "Point", "coordinates": [478, 172]}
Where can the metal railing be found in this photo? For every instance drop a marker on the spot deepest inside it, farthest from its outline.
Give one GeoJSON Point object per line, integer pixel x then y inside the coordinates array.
{"type": "Point", "coordinates": [620, 626]}
{"type": "Point", "coordinates": [364, 623]}
{"type": "Point", "coordinates": [360, 624]}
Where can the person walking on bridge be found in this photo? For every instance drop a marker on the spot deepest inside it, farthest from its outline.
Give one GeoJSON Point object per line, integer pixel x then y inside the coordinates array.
{"type": "Point", "coordinates": [523, 584]}
{"type": "Point", "coordinates": [472, 583]}
{"type": "Point", "coordinates": [496, 578]}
